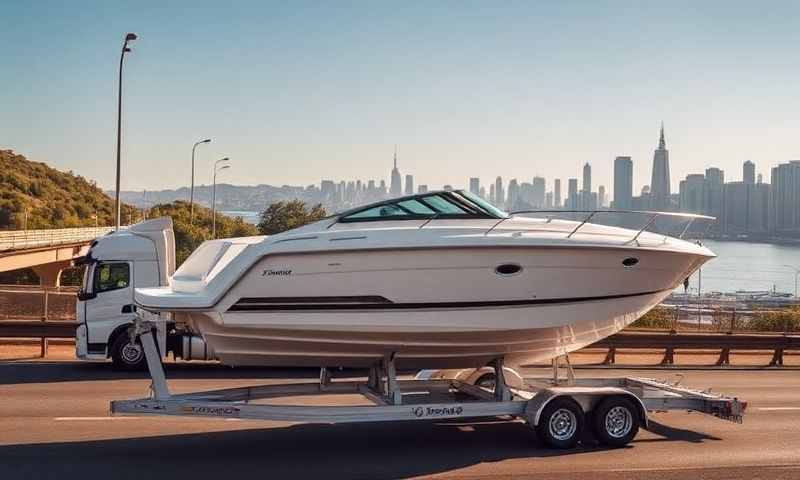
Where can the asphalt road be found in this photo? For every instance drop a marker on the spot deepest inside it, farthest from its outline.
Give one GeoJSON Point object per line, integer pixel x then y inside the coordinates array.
{"type": "Point", "coordinates": [54, 423]}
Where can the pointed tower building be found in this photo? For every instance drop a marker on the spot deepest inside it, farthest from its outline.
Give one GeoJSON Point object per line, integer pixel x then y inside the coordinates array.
{"type": "Point", "coordinates": [660, 182]}
{"type": "Point", "coordinates": [396, 188]}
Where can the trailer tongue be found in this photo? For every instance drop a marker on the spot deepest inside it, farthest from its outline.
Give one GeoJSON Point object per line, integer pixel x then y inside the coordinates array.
{"type": "Point", "coordinates": [557, 409]}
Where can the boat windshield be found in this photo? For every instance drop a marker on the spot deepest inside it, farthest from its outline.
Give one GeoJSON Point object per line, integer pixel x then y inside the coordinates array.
{"type": "Point", "coordinates": [452, 204]}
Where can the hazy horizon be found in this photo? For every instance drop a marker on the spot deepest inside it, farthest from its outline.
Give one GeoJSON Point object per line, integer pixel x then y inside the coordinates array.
{"type": "Point", "coordinates": [298, 92]}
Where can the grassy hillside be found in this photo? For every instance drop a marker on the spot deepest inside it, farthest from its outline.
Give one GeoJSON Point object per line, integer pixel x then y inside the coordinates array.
{"type": "Point", "coordinates": [52, 198]}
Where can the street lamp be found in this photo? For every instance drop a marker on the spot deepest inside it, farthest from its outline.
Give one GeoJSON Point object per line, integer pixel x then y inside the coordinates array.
{"type": "Point", "coordinates": [128, 38]}
{"type": "Point", "coordinates": [217, 168]}
{"type": "Point", "coordinates": [191, 194]}
{"type": "Point", "coordinates": [796, 275]}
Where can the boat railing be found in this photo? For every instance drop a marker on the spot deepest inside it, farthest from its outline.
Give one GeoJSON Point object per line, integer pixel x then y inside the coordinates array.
{"type": "Point", "coordinates": [587, 215]}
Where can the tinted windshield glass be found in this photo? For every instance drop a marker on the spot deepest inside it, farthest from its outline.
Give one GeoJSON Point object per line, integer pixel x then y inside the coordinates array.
{"type": "Point", "coordinates": [382, 211]}
{"type": "Point", "coordinates": [439, 205]}
{"type": "Point", "coordinates": [443, 205]}
{"type": "Point", "coordinates": [480, 202]}
{"type": "Point", "coordinates": [416, 207]}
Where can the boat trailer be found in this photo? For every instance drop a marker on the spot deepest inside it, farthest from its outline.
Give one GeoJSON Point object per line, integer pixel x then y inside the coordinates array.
{"type": "Point", "coordinates": [557, 408]}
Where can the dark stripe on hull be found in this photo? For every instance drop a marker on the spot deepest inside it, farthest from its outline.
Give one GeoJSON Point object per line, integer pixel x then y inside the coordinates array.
{"type": "Point", "coordinates": [357, 299]}
{"type": "Point", "coordinates": [274, 304]}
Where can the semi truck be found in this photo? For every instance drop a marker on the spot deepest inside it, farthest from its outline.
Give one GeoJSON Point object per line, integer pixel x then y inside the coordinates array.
{"type": "Point", "coordinates": [142, 255]}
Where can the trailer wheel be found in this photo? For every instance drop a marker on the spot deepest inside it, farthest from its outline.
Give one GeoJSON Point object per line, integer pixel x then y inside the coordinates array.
{"type": "Point", "coordinates": [127, 355]}
{"type": "Point", "coordinates": [561, 423]}
{"type": "Point", "coordinates": [615, 421]}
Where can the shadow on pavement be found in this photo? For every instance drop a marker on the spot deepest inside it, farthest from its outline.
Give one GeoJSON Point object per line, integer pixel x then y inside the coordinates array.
{"type": "Point", "coordinates": [675, 434]}
{"type": "Point", "coordinates": [371, 451]}
{"type": "Point", "coordinates": [71, 371]}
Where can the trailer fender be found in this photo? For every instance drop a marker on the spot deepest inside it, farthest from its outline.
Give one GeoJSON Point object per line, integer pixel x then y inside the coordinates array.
{"type": "Point", "coordinates": [587, 398]}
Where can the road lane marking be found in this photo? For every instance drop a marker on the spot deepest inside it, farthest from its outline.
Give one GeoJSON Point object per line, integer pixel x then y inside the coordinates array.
{"type": "Point", "coordinates": [90, 419]}
{"type": "Point", "coordinates": [777, 409]}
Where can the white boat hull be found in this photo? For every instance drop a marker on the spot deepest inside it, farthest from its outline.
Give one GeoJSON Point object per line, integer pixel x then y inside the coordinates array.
{"type": "Point", "coordinates": [433, 308]}
{"type": "Point", "coordinates": [521, 335]}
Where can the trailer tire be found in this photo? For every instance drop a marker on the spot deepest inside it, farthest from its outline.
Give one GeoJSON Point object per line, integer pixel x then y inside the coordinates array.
{"type": "Point", "coordinates": [561, 423]}
{"type": "Point", "coordinates": [615, 421]}
{"type": "Point", "coordinates": [127, 355]}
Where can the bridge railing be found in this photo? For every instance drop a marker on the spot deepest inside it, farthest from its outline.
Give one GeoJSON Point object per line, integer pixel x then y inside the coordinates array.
{"type": "Point", "coordinates": [24, 239]}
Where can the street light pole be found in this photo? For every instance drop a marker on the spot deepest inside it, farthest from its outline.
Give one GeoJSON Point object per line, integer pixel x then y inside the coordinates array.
{"type": "Point", "coordinates": [796, 275]}
{"type": "Point", "coordinates": [214, 195]}
{"type": "Point", "coordinates": [128, 38]}
{"type": "Point", "coordinates": [191, 191]}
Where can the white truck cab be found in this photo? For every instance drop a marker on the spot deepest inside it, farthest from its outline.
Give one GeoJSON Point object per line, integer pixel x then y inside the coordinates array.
{"type": "Point", "coordinates": [142, 255]}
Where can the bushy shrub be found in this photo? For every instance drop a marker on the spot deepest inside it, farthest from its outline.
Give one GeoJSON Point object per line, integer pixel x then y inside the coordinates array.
{"type": "Point", "coordinates": [786, 320]}
{"type": "Point", "coordinates": [658, 317]}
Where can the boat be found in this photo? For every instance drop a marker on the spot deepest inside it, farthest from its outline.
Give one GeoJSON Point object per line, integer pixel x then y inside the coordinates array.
{"type": "Point", "coordinates": [437, 280]}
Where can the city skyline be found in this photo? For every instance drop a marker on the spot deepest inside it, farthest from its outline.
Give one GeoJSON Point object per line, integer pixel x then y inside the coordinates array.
{"type": "Point", "coordinates": [750, 206]}
{"type": "Point", "coordinates": [312, 90]}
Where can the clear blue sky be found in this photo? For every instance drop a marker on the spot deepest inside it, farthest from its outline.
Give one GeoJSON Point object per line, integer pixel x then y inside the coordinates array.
{"type": "Point", "coordinates": [294, 92]}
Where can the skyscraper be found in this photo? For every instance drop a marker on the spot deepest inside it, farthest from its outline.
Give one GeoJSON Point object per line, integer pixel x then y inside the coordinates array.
{"type": "Point", "coordinates": [396, 188]}
{"type": "Point", "coordinates": [601, 196]}
{"type": "Point", "coordinates": [513, 194]}
{"type": "Point", "coordinates": [557, 193]}
{"type": "Point", "coordinates": [660, 181]}
{"type": "Point", "coordinates": [499, 193]}
{"type": "Point", "coordinates": [539, 190]}
{"type": "Point", "coordinates": [587, 178]}
{"type": "Point", "coordinates": [475, 186]}
{"type": "Point", "coordinates": [692, 193]}
{"type": "Point", "coordinates": [749, 173]}
{"type": "Point", "coordinates": [572, 194]}
{"type": "Point", "coordinates": [623, 183]}
{"type": "Point", "coordinates": [409, 184]}
{"type": "Point", "coordinates": [713, 195]}
{"type": "Point", "coordinates": [784, 213]}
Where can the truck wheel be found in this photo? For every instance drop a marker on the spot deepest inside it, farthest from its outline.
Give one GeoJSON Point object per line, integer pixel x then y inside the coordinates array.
{"type": "Point", "coordinates": [615, 421]}
{"type": "Point", "coordinates": [127, 355]}
{"type": "Point", "coordinates": [561, 423]}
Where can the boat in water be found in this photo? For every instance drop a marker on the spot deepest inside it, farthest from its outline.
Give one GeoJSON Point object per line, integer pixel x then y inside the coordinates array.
{"type": "Point", "coordinates": [435, 280]}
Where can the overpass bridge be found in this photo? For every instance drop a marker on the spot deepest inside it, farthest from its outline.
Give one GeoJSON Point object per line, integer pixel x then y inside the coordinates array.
{"type": "Point", "coordinates": [48, 252]}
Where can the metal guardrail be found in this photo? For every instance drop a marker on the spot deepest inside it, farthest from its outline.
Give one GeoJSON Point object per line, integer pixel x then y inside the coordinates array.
{"type": "Point", "coordinates": [25, 239]}
{"type": "Point", "coordinates": [37, 329]}
{"type": "Point", "coordinates": [624, 340]}
{"type": "Point", "coordinates": [43, 330]}
{"type": "Point", "coordinates": [724, 342]}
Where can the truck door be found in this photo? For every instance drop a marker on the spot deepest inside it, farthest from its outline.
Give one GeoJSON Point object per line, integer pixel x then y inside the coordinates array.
{"type": "Point", "coordinates": [112, 304]}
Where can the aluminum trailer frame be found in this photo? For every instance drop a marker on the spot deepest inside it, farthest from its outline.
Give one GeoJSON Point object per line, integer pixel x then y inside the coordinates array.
{"type": "Point", "coordinates": [424, 399]}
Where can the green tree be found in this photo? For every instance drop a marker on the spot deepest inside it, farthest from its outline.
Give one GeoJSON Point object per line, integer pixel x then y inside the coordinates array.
{"type": "Point", "coordinates": [282, 216]}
